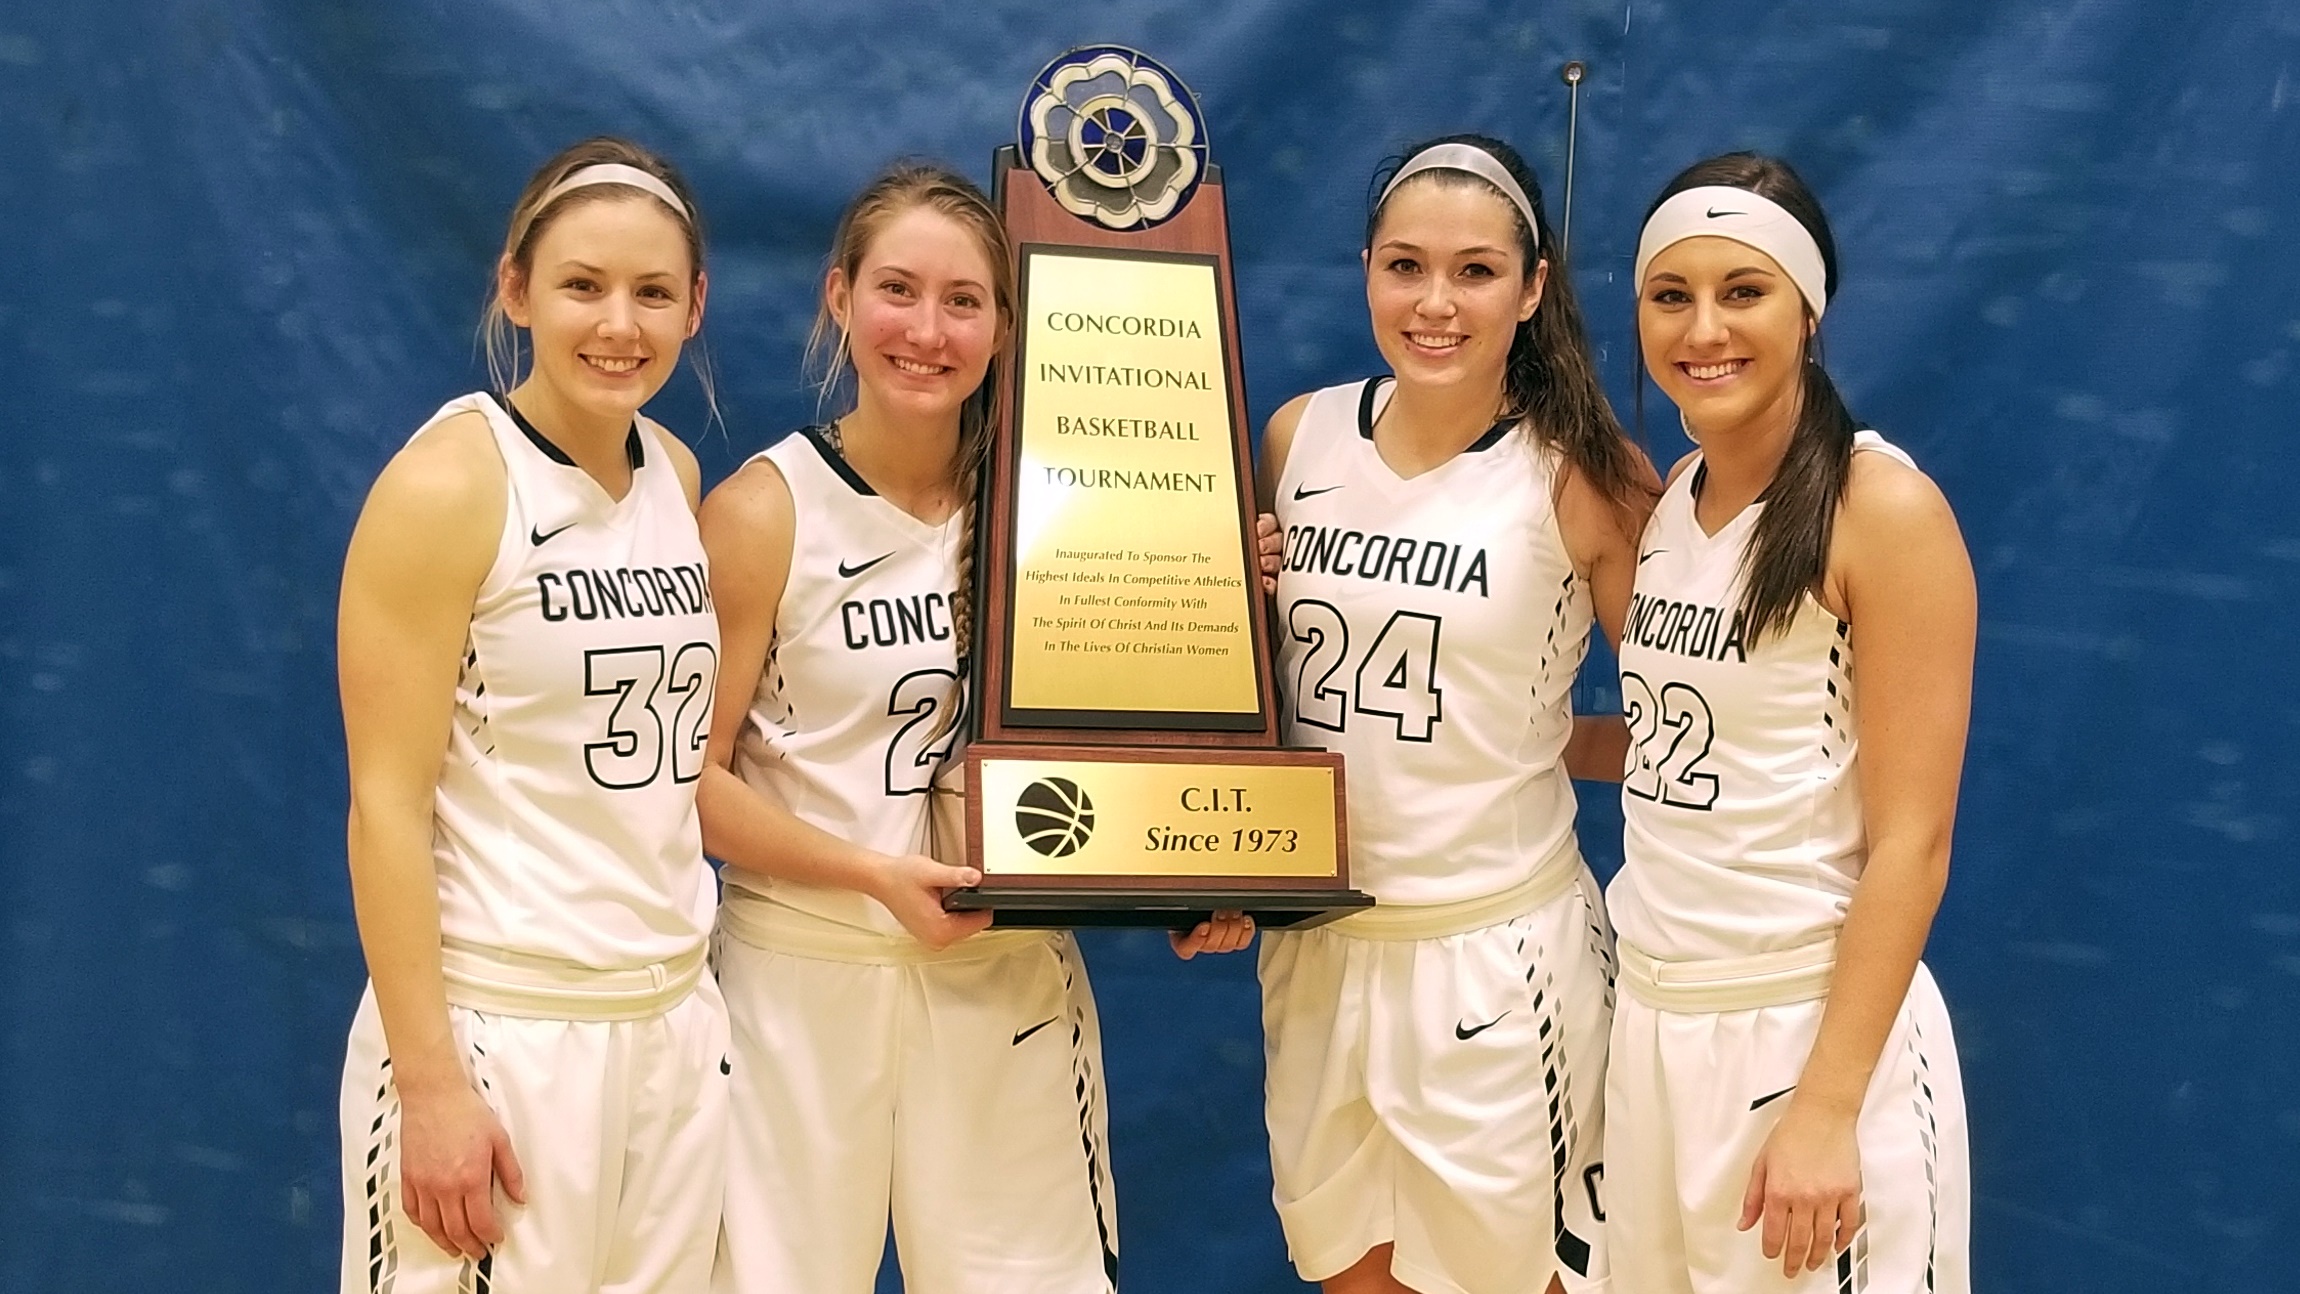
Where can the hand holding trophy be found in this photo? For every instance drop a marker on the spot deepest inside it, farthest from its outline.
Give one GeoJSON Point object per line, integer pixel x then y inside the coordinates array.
{"type": "Point", "coordinates": [1124, 767]}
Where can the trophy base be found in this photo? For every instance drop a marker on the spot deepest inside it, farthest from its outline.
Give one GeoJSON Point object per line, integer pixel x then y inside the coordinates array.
{"type": "Point", "coordinates": [1156, 837]}
{"type": "Point", "coordinates": [1071, 907]}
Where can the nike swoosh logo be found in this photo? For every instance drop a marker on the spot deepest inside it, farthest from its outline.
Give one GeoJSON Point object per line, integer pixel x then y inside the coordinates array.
{"type": "Point", "coordinates": [1465, 1034]}
{"type": "Point", "coordinates": [1763, 1101]}
{"type": "Point", "coordinates": [1643, 558]}
{"type": "Point", "coordinates": [537, 538]}
{"type": "Point", "coordinates": [849, 572]}
{"type": "Point", "coordinates": [1301, 494]}
{"type": "Point", "coordinates": [1033, 1029]}
{"type": "Point", "coordinates": [1714, 213]}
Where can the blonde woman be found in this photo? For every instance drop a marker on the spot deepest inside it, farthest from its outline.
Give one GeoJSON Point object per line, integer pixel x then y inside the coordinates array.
{"type": "Point", "coordinates": [892, 1060]}
{"type": "Point", "coordinates": [534, 1094]}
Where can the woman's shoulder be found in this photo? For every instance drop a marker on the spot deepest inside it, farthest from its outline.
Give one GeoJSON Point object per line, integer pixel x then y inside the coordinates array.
{"type": "Point", "coordinates": [450, 467]}
{"type": "Point", "coordinates": [1893, 515]}
{"type": "Point", "coordinates": [1285, 426]}
{"type": "Point", "coordinates": [1884, 486]}
{"type": "Point", "coordinates": [755, 502]}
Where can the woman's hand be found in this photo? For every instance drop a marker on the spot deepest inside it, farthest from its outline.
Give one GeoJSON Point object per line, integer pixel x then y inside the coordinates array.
{"type": "Point", "coordinates": [1224, 932]}
{"type": "Point", "coordinates": [1269, 547]}
{"type": "Point", "coordinates": [912, 887]}
{"type": "Point", "coordinates": [1806, 1187]}
{"type": "Point", "coordinates": [452, 1151]}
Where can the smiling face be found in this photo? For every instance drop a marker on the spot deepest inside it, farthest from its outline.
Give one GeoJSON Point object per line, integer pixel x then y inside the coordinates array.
{"type": "Point", "coordinates": [920, 314]}
{"type": "Point", "coordinates": [609, 296]}
{"type": "Point", "coordinates": [1723, 332]}
{"type": "Point", "coordinates": [1447, 283]}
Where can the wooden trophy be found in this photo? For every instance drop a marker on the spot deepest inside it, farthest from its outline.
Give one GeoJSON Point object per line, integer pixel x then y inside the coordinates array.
{"type": "Point", "coordinates": [1124, 766]}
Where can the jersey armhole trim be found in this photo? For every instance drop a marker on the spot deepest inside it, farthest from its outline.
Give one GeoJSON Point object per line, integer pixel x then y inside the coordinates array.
{"type": "Point", "coordinates": [503, 571]}
{"type": "Point", "coordinates": [837, 462]}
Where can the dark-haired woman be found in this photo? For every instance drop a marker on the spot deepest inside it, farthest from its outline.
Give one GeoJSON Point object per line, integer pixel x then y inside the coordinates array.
{"type": "Point", "coordinates": [894, 1063]}
{"type": "Point", "coordinates": [1782, 1062]}
{"type": "Point", "coordinates": [534, 1094]}
{"type": "Point", "coordinates": [1436, 1064]}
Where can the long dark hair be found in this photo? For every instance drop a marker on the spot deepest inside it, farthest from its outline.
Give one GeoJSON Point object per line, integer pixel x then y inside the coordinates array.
{"type": "Point", "coordinates": [1789, 552]}
{"type": "Point", "coordinates": [1549, 380]}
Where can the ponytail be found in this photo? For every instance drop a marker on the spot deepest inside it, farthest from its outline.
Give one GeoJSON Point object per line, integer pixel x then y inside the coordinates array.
{"type": "Point", "coordinates": [1789, 550]}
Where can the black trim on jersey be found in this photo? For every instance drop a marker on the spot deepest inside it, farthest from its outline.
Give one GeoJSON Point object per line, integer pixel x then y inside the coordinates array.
{"type": "Point", "coordinates": [837, 462]}
{"type": "Point", "coordinates": [1491, 438]}
{"type": "Point", "coordinates": [634, 450]}
{"type": "Point", "coordinates": [1701, 470]}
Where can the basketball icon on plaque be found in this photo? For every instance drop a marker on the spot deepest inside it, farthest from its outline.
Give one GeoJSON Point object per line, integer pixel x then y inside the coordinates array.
{"type": "Point", "coordinates": [1123, 766]}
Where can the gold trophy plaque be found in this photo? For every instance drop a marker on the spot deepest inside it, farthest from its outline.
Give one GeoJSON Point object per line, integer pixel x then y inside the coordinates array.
{"type": "Point", "coordinates": [1123, 767]}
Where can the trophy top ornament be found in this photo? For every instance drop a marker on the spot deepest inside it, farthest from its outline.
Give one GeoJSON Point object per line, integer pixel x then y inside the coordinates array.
{"type": "Point", "coordinates": [1115, 136]}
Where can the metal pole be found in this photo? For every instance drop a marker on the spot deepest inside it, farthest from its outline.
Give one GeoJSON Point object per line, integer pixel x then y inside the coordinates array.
{"type": "Point", "coordinates": [1571, 74]}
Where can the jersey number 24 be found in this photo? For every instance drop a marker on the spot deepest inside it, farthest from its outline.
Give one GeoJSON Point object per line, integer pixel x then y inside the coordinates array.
{"type": "Point", "coordinates": [1395, 679]}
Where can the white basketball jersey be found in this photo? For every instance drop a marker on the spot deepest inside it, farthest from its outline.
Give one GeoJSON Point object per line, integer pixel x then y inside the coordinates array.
{"type": "Point", "coordinates": [1429, 630]}
{"type": "Point", "coordinates": [565, 814]}
{"type": "Point", "coordinates": [847, 728]}
{"type": "Point", "coordinates": [1742, 793]}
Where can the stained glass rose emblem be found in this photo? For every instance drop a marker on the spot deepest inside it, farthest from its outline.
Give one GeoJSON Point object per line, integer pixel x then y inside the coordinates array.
{"type": "Point", "coordinates": [1116, 137]}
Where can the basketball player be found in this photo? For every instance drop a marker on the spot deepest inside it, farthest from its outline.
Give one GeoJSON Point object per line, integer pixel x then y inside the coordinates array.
{"type": "Point", "coordinates": [1784, 1106]}
{"type": "Point", "coordinates": [1436, 1063]}
{"type": "Point", "coordinates": [534, 1094]}
{"type": "Point", "coordinates": [891, 1058]}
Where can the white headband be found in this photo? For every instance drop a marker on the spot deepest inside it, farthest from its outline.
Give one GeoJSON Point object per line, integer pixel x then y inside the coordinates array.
{"type": "Point", "coordinates": [1747, 218]}
{"type": "Point", "coordinates": [615, 173]}
{"type": "Point", "coordinates": [1476, 161]}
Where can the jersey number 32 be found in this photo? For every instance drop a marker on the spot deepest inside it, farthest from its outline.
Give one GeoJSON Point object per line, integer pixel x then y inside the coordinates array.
{"type": "Point", "coordinates": [638, 732]}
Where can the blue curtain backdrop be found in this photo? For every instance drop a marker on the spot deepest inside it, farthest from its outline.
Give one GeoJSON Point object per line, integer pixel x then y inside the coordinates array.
{"type": "Point", "coordinates": [242, 250]}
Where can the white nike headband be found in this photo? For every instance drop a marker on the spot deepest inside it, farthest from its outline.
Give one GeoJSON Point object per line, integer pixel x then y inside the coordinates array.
{"type": "Point", "coordinates": [1475, 161]}
{"type": "Point", "coordinates": [616, 173]}
{"type": "Point", "coordinates": [1747, 218]}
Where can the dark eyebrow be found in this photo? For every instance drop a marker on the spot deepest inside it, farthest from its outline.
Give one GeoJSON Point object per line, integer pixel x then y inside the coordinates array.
{"type": "Point", "coordinates": [1665, 276]}
{"type": "Point", "coordinates": [1399, 244]}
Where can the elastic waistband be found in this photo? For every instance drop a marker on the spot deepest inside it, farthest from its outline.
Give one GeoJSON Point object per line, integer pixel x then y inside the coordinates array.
{"type": "Point", "coordinates": [1729, 983]}
{"type": "Point", "coordinates": [1406, 921]}
{"type": "Point", "coordinates": [544, 988]}
{"type": "Point", "coordinates": [776, 927]}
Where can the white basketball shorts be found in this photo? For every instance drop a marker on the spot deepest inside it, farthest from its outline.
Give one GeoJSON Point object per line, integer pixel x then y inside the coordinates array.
{"type": "Point", "coordinates": [620, 1131]}
{"type": "Point", "coordinates": [1445, 1095]}
{"type": "Point", "coordinates": [961, 1096]}
{"type": "Point", "coordinates": [1691, 1097]}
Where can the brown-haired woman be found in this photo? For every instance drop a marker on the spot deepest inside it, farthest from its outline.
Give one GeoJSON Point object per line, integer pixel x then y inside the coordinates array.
{"type": "Point", "coordinates": [1782, 1061]}
{"type": "Point", "coordinates": [534, 1092]}
{"type": "Point", "coordinates": [1436, 1064]}
{"type": "Point", "coordinates": [890, 1057]}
